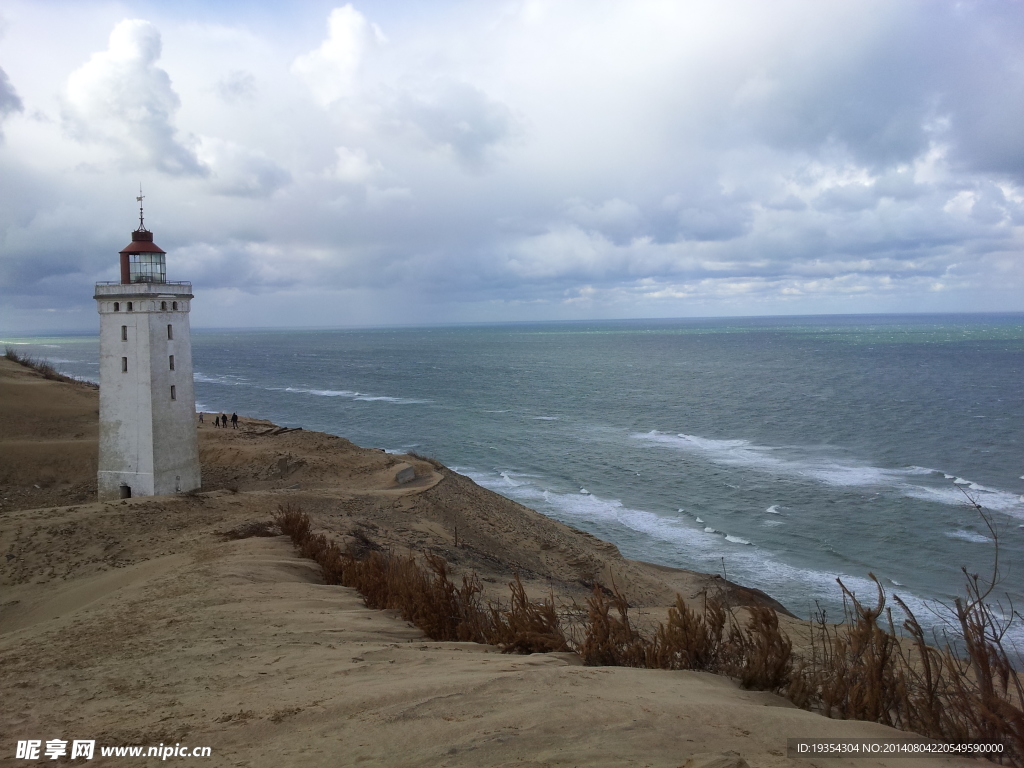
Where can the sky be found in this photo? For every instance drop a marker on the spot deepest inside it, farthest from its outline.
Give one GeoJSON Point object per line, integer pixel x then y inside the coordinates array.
{"type": "Point", "coordinates": [403, 163]}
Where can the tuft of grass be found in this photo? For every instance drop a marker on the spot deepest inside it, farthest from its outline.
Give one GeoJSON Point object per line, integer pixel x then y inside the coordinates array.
{"type": "Point", "coordinates": [526, 626]}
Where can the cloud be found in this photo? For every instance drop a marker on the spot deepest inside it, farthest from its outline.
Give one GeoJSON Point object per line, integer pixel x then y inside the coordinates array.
{"type": "Point", "coordinates": [576, 159]}
{"type": "Point", "coordinates": [456, 118]}
{"type": "Point", "coordinates": [331, 71]}
{"type": "Point", "coordinates": [353, 166]}
{"type": "Point", "coordinates": [10, 102]}
{"type": "Point", "coordinates": [237, 170]}
{"type": "Point", "coordinates": [236, 86]}
{"type": "Point", "coordinates": [122, 99]}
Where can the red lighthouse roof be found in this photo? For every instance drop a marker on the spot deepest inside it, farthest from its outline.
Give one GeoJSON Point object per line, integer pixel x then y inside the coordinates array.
{"type": "Point", "coordinates": [142, 242]}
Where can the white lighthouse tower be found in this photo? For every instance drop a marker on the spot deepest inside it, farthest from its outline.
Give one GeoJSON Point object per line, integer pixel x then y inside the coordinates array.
{"type": "Point", "coordinates": [148, 441]}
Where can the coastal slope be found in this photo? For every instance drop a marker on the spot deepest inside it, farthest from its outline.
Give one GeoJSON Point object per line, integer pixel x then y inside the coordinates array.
{"type": "Point", "coordinates": [164, 620]}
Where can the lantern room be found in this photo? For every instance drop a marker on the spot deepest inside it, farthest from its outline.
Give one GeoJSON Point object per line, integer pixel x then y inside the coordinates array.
{"type": "Point", "coordinates": [142, 260]}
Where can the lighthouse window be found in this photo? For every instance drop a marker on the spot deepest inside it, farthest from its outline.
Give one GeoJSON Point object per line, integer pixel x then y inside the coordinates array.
{"type": "Point", "coordinates": [163, 306]}
{"type": "Point", "coordinates": [174, 393]}
{"type": "Point", "coordinates": [124, 333]}
{"type": "Point", "coordinates": [147, 268]}
{"type": "Point", "coordinates": [171, 359]}
{"type": "Point", "coordinates": [129, 306]}
{"type": "Point", "coordinates": [124, 365]}
{"type": "Point", "coordinates": [117, 306]}
{"type": "Point", "coordinates": [170, 331]}
{"type": "Point", "coordinates": [174, 305]}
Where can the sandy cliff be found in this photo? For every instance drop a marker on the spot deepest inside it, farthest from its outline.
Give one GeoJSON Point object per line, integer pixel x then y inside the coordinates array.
{"type": "Point", "coordinates": [140, 622]}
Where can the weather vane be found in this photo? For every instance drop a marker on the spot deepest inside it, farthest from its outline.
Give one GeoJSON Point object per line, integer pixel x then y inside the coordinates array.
{"type": "Point", "coordinates": [140, 198]}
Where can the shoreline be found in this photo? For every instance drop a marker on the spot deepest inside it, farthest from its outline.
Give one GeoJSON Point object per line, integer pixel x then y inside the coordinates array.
{"type": "Point", "coordinates": [155, 622]}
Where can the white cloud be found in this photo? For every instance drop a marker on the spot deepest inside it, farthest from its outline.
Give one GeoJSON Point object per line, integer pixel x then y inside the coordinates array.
{"type": "Point", "coordinates": [331, 71]}
{"type": "Point", "coordinates": [353, 166]}
{"type": "Point", "coordinates": [120, 97]}
{"type": "Point", "coordinates": [237, 170]}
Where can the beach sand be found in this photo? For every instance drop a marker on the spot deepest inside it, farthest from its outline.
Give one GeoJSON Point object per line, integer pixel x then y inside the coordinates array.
{"type": "Point", "coordinates": [139, 622]}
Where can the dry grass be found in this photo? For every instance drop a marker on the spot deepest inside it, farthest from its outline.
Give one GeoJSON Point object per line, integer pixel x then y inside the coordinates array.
{"type": "Point", "coordinates": [967, 691]}
{"type": "Point", "coordinates": [42, 367]}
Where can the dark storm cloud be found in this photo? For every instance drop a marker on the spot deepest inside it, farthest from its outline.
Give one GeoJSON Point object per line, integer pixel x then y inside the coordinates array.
{"type": "Point", "coordinates": [10, 102]}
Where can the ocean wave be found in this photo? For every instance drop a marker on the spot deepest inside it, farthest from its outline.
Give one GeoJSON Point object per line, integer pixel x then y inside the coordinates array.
{"type": "Point", "coordinates": [834, 472]}
{"type": "Point", "coordinates": [351, 395]}
{"type": "Point", "coordinates": [773, 510]}
{"type": "Point", "coordinates": [747, 563]}
{"type": "Point", "coordinates": [221, 379]}
{"type": "Point", "coordinates": [545, 418]}
{"type": "Point", "coordinates": [971, 536]}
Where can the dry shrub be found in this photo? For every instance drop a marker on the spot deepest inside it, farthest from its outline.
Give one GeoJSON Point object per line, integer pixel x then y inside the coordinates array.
{"type": "Point", "coordinates": [424, 594]}
{"type": "Point", "coordinates": [691, 640]}
{"type": "Point", "coordinates": [527, 627]}
{"type": "Point", "coordinates": [759, 654]}
{"type": "Point", "coordinates": [852, 673]}
{"type": "Point", "coordinates": [756, 653]}
{"type": "Point", "coordinates": [964, 692]}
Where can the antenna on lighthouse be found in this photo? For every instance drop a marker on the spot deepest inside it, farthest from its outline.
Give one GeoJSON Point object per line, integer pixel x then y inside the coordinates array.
{"type": "Point", "coordinates": [140, 198]}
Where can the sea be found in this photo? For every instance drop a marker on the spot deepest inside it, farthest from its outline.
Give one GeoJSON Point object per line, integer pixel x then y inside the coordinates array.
{"type": "Point", "coordinates": [783, 452]}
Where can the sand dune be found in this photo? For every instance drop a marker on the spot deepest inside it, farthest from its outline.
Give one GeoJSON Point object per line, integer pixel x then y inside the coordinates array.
{"type": "Point", "coordinates": [140, 622]}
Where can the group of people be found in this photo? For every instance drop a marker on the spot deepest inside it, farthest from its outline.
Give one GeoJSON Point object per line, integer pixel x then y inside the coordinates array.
{"type": "Point", "coordinates": [222, 420]}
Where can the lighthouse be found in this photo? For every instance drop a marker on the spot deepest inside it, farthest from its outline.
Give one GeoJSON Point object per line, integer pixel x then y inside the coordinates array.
{"type": "Point", "coordinates": [148, 442]}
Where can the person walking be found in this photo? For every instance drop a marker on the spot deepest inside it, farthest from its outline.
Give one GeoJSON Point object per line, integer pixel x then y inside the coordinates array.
{"type": "Point", "coordinates": [200, 417]}
{"type": "Point", "coordinates": [234, 421]}
{"type": "Point", "coordinates": [224, 421]}
{"type": "Point", "coordinates": [216, 422]}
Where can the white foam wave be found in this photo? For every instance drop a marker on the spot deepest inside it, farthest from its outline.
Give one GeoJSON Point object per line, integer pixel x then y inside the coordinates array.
{"type": "Point", "coordinates": [743, 453]}
{"type": "Point", "coordinates": [545, 418]}
{"type": "Point", "coordinates": [773, 510]}
{"type": "Point", "coordinates": [584, 491]}
{"type": "Point", "coordinates": [709, 529]}
{"type": "Point", "coordinates": [204, 378]}
{"type": "Point", "coordinates": [987, 498]}
{"type": "Point", "coordinates": [737, 540]}
{"type": "Point", "coordinates": [971, 536]}
{"type": "Point", "coordinates": [362, 396]}
{"type": "Point", "coordinates": [699, 520]}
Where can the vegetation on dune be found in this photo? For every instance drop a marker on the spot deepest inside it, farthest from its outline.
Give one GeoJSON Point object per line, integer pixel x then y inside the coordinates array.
{"type": "Point", "coordinates": [42, 367]}
{"type": "Point", "coordinates": [966, 691]}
